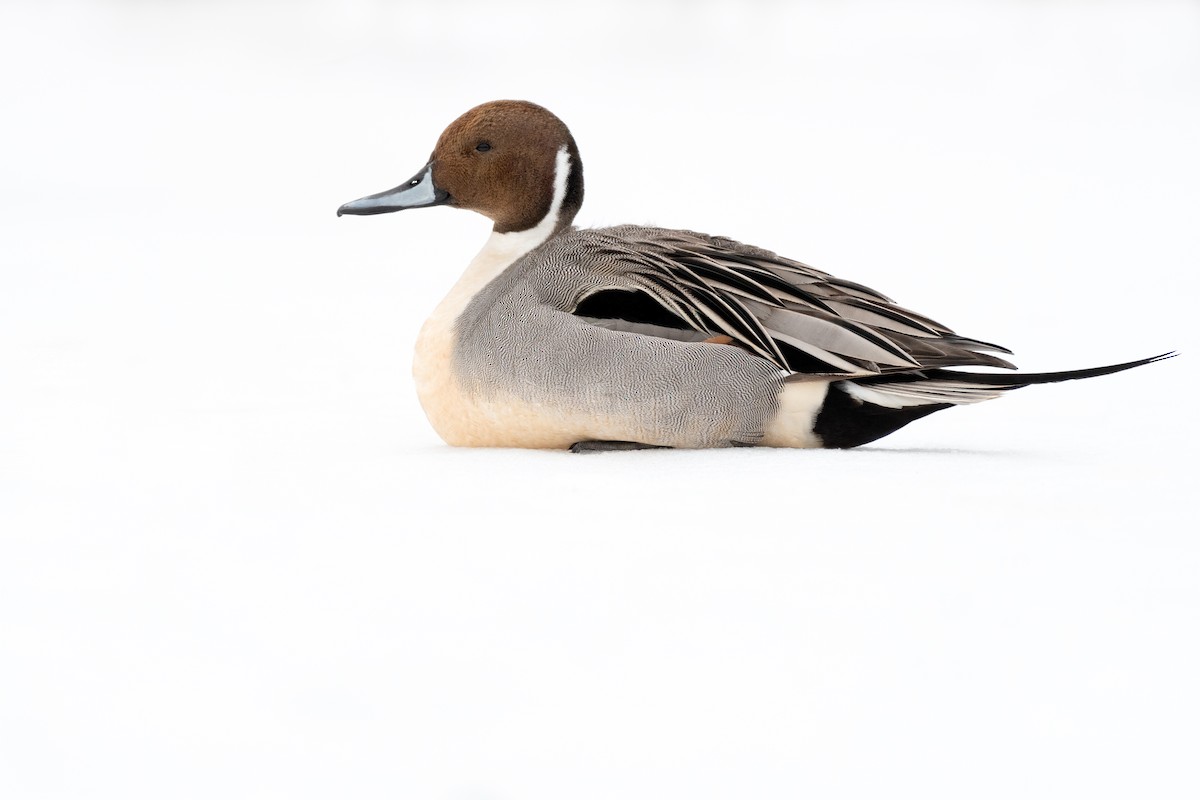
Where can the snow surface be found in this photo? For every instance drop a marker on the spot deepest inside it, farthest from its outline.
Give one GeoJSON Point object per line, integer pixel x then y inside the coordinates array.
{"type": "Point", "coordinates": [235, 562]}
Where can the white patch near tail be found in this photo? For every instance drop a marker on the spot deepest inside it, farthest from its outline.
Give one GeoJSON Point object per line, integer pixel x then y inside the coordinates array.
{"type": "Point", "coordinates": [799, 404]}
{"type": "Point", "coordinates": [921, 393]}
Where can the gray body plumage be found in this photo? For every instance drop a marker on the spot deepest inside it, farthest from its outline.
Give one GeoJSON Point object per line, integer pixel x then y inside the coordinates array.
{"type": "Point", "coordinates": [519, 337]}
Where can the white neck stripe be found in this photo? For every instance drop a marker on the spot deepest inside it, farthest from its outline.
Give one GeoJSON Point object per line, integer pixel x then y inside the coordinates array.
{"type": "Point", "coordinates": [562, 171]}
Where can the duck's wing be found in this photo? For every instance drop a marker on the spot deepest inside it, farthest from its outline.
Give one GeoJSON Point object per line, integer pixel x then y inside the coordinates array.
{"type": "Point", "coordinates": [685, 285]}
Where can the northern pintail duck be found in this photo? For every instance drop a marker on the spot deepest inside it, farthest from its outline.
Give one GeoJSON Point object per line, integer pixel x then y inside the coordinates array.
{"type": "Point", "coordinates": [632, 336]}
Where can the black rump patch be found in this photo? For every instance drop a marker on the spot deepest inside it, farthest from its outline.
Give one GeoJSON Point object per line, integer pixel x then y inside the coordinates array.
{"type": "Point", "coordinates": [845, 421]}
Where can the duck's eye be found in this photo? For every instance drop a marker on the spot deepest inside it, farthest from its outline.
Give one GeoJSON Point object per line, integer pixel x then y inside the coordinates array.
{"type": "Point", "coordinates": [483, 147]}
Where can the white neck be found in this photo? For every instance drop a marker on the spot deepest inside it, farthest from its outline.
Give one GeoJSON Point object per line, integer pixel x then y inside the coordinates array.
{"type": "Point", "coordinates": [502, 250]}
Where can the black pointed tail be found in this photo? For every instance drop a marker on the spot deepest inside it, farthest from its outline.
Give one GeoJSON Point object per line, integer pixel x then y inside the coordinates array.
{"type": "Point", "coordinates": [861, 410]}
{"type": "Point", "coordinates": [1017, 380]}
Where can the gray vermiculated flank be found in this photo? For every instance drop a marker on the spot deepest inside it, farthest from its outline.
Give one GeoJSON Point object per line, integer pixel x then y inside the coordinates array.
{"type": "Point", "coordinates": [518, 336]}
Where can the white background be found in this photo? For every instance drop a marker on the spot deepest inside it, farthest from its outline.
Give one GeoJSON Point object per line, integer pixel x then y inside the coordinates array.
{"type": "Point", "coordinates": [235, 561]}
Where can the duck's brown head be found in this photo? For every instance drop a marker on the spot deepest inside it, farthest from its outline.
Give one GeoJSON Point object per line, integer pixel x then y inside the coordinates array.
{"type": "Point", "coordinates": [510, 160]}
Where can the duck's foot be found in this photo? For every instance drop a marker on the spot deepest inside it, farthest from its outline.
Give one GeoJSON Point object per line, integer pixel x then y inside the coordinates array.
{"type": "Point", "coordinates": [601, 446]}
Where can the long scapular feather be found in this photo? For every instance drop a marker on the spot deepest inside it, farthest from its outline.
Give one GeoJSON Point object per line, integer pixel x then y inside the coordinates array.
{"type": "Point", "coordinates": [804, 321]}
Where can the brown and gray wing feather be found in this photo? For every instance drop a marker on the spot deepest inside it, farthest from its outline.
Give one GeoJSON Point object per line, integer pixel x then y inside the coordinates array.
{"type": "Point", "coordinates": [691, 286]}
